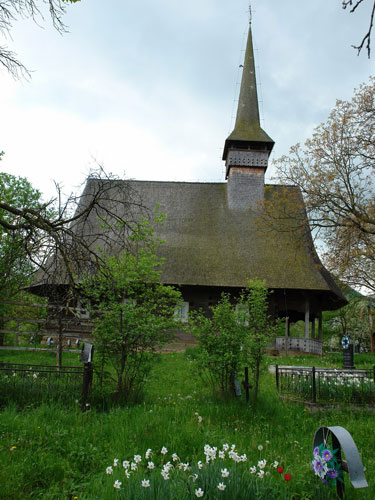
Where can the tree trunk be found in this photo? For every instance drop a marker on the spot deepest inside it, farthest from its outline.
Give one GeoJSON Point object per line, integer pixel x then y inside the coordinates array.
{"type": "Point", "coordinates": [1, 334]}
{"type": "Point", "coordinates": [257, 369]}
{"type": "Point", "coordinates": [371, 327]}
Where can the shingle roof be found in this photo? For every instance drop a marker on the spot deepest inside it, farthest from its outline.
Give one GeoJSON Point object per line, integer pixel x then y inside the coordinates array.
{"type": "Point", "coordinates": [206, 243]}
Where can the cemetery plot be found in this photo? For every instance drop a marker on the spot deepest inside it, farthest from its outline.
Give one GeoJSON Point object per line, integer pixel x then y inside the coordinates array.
{"type": "Point", "coordinates": [28, 384]}
{"type": "Point", "coordinates": [327, 385]}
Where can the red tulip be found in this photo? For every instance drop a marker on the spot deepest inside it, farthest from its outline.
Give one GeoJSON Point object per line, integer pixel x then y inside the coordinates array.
{"type": "Point", "coordinates": [287, 477]}
{"type": "Point", "coordinates": [280, 470]}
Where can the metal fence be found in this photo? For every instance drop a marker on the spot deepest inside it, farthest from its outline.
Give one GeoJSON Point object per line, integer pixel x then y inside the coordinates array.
{"type": "Point", "coordinates": [33, 384]}
{"type": "Point", "coordinates": [326, 385]}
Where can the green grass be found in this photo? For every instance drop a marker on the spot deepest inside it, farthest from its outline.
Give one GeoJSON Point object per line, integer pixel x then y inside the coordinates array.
{"type": "Point", "coordinates": [54, 452]}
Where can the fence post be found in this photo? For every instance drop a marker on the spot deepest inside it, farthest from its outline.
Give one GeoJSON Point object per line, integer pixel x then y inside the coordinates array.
{"type": "Point", "coordinates": [59, 344]}
{"type": "Point", "coordinates": [277, 377]}
{"type": "Point", "coordinates": [86, 358]}
{"type": "Point", "coordinates": [313, 384]}
{"type": "Point", "coordinates": [87, 380]}
{"type": "Point", "coordinates": [373, 368]}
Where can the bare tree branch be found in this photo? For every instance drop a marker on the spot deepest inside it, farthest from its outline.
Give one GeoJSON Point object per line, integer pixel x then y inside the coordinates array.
{"type": "Point", "coordinates": [354, 4]}
{"type": "Point", "coordinates": [11, 11]}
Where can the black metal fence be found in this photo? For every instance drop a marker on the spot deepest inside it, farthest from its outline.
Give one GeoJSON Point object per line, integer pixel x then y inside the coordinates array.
{"type": "Point", "coordinates": [326, 385]}
{"type": "Point", "coordinates": [33, 384]}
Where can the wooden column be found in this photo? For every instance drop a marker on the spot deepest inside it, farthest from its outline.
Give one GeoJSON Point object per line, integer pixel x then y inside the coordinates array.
{"type": "Point", "coordinates": [313, 328]}
{"type": "Point", "coordinates": [287, 327]}
{"type": "Point", "coordinates": [320, 324]}
{"type": "Point", "coordinates": [307, 318]}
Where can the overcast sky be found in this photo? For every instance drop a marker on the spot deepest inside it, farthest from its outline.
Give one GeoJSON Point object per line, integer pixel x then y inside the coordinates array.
{"type": "Point", "coordinates": [147, 88]}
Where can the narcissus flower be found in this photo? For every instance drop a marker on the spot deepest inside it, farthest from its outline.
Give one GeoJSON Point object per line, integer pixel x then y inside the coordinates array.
{"type": "Point", "coordinates": [199, 493]}
{"type": "Point", "coordinates": [145, 483]}
{"type": "Point", "coordinates": [224, 473]}
{"type": "Point", "coordinates": [117, 484]}
{"type": "Point", "coordinates": [221, 486]}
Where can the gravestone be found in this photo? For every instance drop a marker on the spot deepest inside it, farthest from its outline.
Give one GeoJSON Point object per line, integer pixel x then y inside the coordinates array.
{"type": "Point", "coordinates": [348, 353]}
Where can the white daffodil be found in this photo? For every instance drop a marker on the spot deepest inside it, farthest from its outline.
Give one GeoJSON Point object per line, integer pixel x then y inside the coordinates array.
{"type": "Point", "coordinates": [151, 465]}
{"type": "Point", "coordinates": [126, 464]}
{"type": "Point", "coordinates": [109, 470]}
{"type": "Point", "coordinates": [164, 450]}
{"type": "Point", "coordinates": [199, 493]}
{"type": "Point", "coordinates": [117, 484]}
{"type": "Point", "coordinates": [275, 464]}
{"type": "Point", "coordinates": [148, 454]}
{"type": "Point", "coordinates": [221, 486]}
{"type": "Point", "coordinates": [145, 483]}
{"type": "Point", "coordinates": [253, 470]}
{"type": "Point", "coordinates": [137, 459]}
{"type": "Point", "coordinates": [175, 457]}
{"type": "Point", "coordinates": [221, 454]}
{"type": "Point", "coordinates": [261, 474]}
{"type": "Point", "coordinates": [115, 462]}
{"type": "Point", "coordinates": [262, 464]}
{"type": "Point", "coordinates": [199, 464]}
{"type": "Point", "coordinates": [133, 466]}
{"type": "Point", "coordinates": [224, 473]}
{"type": "Point", "coordinates": [225, 447]}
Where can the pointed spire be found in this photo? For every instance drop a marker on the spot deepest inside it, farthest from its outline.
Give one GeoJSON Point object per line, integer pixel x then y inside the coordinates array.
{"type": "Point", "coordinates": [247, 133]}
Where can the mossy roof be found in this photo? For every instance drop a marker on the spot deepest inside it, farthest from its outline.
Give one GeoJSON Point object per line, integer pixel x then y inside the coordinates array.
{"type": "Point", "coordinates": [208, 244]}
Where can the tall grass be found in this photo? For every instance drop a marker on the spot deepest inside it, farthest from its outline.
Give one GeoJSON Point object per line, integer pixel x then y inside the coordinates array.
{"type": "Point", "coordinates": [51, 452]}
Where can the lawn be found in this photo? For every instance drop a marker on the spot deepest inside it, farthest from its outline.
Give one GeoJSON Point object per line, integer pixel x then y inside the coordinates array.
{"type": "Point", "coordinates": [54, 452]}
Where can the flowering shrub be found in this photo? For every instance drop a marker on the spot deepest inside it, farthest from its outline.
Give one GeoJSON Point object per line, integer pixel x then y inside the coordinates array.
{"type": "Point", "coordinates": [326, 465]}
{"type": "Point", "coordinates": [221, 473]}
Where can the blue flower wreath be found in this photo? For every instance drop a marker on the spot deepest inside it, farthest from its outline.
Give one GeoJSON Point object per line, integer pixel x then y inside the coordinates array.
{"type": "Point", "coordinates": [326, 465]}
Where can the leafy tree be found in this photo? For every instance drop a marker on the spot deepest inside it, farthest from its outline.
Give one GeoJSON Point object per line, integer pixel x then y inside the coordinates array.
{"type": "Point", "coordinates": [236, 335]}
{"type": "Point", "coordinates": [218, 355]}
{"type": "Point", "coordinates": [335, 173]}
{"type": "Point", "coordinates": [12, 10]}
{"type": "Point", "coordinates": [133, 311]}
{"type": "Point", "coordinates": [15, 267]}
{"type": "Point", "coordinates": [354, 319]}
{"type": "Point", "coordinates": [257, 327]}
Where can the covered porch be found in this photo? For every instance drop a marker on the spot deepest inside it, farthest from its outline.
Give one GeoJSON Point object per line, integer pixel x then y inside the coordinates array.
{"type": "Point", "coordinates": [304, 306]}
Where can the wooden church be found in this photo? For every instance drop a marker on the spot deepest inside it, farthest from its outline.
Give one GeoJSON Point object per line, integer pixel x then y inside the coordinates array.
{"type": "Point", "coordinates": [214, 242]}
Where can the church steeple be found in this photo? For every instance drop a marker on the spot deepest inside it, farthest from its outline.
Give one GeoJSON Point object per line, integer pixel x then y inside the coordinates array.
{"type": "Point", "coordinates": [247, 134]}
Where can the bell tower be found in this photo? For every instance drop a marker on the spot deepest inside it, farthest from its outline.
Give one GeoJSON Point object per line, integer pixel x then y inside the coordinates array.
{"type": "Point", "coordinates": [247, 148]}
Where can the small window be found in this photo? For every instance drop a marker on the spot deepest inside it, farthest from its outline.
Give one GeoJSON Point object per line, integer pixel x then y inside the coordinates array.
{"type": "Point", "coordinates": [242, 311]}
{"type": "Point", "coordinates": [81, 311]}
{"type": "Point", "coordinates": [182, 312]}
